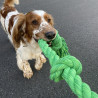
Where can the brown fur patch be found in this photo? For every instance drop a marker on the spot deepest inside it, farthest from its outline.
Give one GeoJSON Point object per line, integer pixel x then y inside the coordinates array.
{"type": "Point", "coordinates": [11, 23]}
{"type": "Point", "coordinates": [49, 19]}
{"type": "Point", "coordinates": [6, 10]}
{"type": "Point", "coordinates": [19, 30]}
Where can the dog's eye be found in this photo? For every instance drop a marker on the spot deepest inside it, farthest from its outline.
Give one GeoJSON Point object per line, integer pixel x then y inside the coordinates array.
{"type": "Point", "coordinates": [49, 20]}
{"type": "Point", "coordinates": [35, 22]}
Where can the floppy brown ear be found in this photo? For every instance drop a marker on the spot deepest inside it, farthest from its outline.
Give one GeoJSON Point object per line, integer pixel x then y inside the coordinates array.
{"type": "Point", "coordinates": [19, 30]}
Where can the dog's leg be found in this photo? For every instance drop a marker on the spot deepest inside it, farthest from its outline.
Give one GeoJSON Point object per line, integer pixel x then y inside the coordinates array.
{"type": "Point", "coordinates": [40, 59]}
{"type": "Point", "coordinates": [24, 66]}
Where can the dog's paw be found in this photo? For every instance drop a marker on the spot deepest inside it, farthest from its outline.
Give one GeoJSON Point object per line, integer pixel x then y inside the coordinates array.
{"type": "Point", "coordinates": [39, 62]}
{"type": "Point", "coordinates": [27, 71]}
{"type": "Point", "coordinates": [38, 67]}
{"type": "Point", "coordinates": [27, 74]}
{"type": "Point", "coordinates": [43, 59]}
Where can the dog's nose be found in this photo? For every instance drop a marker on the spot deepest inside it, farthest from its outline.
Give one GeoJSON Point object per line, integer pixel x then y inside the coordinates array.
{"type": "Point", "coordinates": [50, 35]}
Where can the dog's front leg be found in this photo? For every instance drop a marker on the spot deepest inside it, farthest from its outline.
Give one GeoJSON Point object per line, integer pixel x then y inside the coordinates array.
{"type": "Point", "coordinates": [24, 66]}
{"type": "Point", "coordinates": [40, 59]}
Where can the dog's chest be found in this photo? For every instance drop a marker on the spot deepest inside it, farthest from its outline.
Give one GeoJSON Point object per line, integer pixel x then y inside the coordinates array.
{"type": "Point", "coordinates": [29, 52]}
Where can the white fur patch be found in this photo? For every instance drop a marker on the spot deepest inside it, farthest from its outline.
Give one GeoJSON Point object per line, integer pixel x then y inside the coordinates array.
{"type": "Point", "coordinates": [39, 12]}
{"type": "Point", "coordinates": [8, 18]}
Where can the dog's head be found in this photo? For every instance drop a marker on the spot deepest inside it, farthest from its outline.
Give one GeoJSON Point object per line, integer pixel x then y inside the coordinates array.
{"type": "Point", "coordinates": [34, 25]}
{"type": "Point", "coordinates": [40, 25]}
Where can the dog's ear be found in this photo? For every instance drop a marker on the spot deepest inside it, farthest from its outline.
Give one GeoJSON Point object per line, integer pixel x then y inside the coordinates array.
{"type": "Point", "coordinates": [19, 29]}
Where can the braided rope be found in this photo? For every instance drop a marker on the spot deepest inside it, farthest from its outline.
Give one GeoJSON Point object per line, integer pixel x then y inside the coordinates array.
{"type": "Point", "coordinates": [67, 67]}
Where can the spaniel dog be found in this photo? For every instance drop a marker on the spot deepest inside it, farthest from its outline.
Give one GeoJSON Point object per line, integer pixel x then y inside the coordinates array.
{"type": "Point", "coordinates": [24, 31]}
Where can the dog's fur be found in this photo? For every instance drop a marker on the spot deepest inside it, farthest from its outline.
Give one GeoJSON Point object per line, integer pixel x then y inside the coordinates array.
{"type": "Point", "coordinates": [23, 30]}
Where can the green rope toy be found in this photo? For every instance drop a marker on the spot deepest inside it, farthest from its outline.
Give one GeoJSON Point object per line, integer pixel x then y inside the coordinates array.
{"type": "Point", "coordinates": [67, 67]}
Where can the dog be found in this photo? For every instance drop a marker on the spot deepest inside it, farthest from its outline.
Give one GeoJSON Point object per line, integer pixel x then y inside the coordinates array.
{"type": "Point", "coordinates": [24, 31]}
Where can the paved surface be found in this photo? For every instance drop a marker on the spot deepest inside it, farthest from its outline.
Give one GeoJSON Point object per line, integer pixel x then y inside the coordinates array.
{"type": "Point", "coordinates": [77, 22]}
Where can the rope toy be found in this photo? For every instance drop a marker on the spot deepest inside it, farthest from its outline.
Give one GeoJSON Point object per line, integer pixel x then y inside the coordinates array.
{"type": "Point", "coordinates": [67, 67]}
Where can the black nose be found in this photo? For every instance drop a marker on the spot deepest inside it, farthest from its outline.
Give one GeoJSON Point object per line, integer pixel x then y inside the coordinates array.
{"type": "Point", "coordinates": [50, 35]}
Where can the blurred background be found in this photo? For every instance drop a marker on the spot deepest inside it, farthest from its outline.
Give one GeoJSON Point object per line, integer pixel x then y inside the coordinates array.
{"type": "Point", "coordinates": [77, 22]}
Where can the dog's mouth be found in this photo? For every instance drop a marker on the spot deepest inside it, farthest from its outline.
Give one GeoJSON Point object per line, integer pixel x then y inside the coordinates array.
{"type": "Point", "coordinates": [48, 42]}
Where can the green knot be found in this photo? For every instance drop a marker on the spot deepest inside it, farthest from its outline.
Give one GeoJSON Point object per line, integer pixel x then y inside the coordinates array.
{"type": "Point", "coordinates": [63, 63]}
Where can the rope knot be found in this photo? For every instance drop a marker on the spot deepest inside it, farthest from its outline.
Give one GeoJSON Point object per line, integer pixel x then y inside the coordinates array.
{"type": "Point", "coordinates": [63, 63]}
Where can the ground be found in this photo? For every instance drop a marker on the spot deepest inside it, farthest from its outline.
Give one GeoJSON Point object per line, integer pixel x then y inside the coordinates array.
{"type": "Point", "coordinates": [77, 22]}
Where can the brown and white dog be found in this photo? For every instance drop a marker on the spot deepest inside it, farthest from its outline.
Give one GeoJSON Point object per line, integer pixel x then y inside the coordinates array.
{"type": "Point", "coordinates": [24, 30]}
